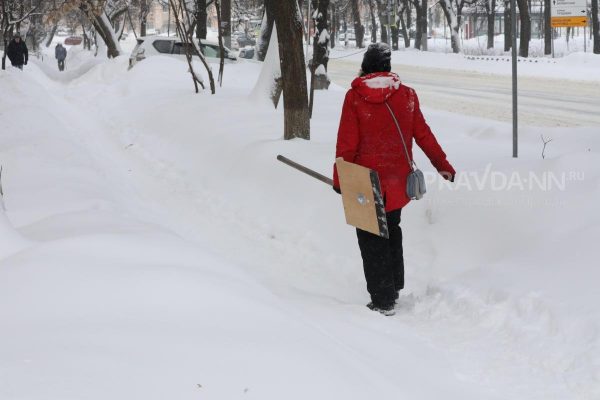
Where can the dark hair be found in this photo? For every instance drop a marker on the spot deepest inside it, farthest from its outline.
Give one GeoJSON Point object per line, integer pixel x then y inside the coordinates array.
{"type": "Point", "coordinates": [377, 58]}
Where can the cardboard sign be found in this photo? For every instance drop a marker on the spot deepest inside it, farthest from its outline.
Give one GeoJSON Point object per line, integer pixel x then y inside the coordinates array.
{"type": "Point", "coordinates": [362, 198]}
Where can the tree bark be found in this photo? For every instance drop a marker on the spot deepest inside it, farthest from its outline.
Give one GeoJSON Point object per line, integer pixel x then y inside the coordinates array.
{"type": "Point", "coordinates": [420, 18]}
{"type": "Point", "coordinates": [143, 16]}
{"type": "Point", "coordinates": [547, 27]}
{"type": "Point", "coordinates": [221, 48]}
{"type": "Point", "coordinates": [359, 29]}
{"type": "Point", "coordinates": [394, 32]}
{"type": "Point", "coordinates": [525, 32]}
{"type": "Point", "coordinates": [383, 20]}
{"type": "Point", "coordinates": [404, 29]}
{"type": "Point", "coordinates": [507, 26]}
{"type": "Point", "coordinates": [319, 79]}
{"type": "Point", "coordinates": [373, 22]}
{"type": "Point", "coordinates": [491, 22]}
{"type": "Point", "coordinates": [595, 27]}
{"type": "Point", "coordinates": [104, 29]}
{"type": "Point", "coordinates": [424, 23]}
{"type": "Point", "coordinates": [453, 19]}
{"type": "Point", "coordinates": [266, 29]}
{"type": "Point", "coordinates": [334, 25]}
{"type": "Point", "coordinates": [200, 17]}
{"type": "Point", "coordinates": [291, 56]}
{"type": "Point", "coordinates": [51, 35]}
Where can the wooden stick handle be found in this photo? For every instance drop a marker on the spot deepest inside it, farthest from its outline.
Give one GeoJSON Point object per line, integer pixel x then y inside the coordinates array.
{"type": "Point", "coordinates": [307, 171]}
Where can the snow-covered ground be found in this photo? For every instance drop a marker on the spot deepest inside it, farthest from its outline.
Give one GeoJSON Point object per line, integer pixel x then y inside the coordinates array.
{"type": "Point", "coordinates": [152, 247]}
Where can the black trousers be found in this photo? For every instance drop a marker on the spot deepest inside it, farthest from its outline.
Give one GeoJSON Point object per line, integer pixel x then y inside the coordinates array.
{"type": "Point", "coordinates": [61, 65]}
{"type": "Point", "coordinates": [383, 261]}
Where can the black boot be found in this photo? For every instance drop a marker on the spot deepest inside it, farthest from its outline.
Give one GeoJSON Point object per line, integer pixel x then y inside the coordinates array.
{"type": "Point", "coordinates": [388, 311]}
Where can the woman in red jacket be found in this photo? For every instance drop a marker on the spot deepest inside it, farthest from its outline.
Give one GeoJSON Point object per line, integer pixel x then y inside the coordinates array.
{"type": "Point", "coordinates": [369, 137]}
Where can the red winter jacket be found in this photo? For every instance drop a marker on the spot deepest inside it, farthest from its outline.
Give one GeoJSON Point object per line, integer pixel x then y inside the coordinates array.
{"type": "Point", "coordinates": [368, 136]}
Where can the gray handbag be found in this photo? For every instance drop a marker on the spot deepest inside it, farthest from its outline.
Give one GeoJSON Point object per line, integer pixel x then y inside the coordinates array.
{"type": "Point", "coordinates": [415, 182]}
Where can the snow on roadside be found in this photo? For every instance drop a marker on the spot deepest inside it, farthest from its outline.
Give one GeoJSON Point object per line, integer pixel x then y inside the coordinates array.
{"type": "Point", "coordinates": [577, 66]}
{"type": "Point", "coordinates": [172, 244]}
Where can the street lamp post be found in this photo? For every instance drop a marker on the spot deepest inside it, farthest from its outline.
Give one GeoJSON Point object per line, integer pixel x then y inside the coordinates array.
{"type": "Point", "coordinates": [513, 21]}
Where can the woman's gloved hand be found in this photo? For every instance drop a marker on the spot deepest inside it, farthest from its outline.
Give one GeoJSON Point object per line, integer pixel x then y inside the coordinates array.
{"type": "Point", "coordinates": [448, 176]}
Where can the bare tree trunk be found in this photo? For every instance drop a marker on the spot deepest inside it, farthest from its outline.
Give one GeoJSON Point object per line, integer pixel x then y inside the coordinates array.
{"type": "Point", "coordinates": [507, 26]}
{"type": "Point", "coordinates": [424, 7]}
{"type": "Point", "coordinates": [547, 27]}
{"type": "Point", "coordinates": [107, 33]}
{"type": "Point", "coordinates": [266, 29]}
{"type": "Point", "coordinates": [419, 28]}
{"type": "Point", "coordinates": [334, 25]}
{"type": "Point", "coordinates": [201, 17]}
{"type": "Point", "coordinates": [318, 65]}
{"type": "Point", "coordinates": [320, 45]}
{"type": "Point", "coordinates": [373, 22]}
{"type": "Point", "coordinates": [491, 22]}
{"type": "Point", "coordinates": [291, 55]}
{"type": "Point", "coordinates": [383, 20]}
{"type": "Point", "coordinates": [394, 32]}
{"type": "Point", "coordinates": [143, 16]}
{"type": "Point", "coordinates": [359, 29]}
{"type": "Point", "coordinates": [192, 47]}
{"type": "Point", "coordinates": [404, 29]}
{"type": "Point", "coordinates": [595, 27]}
{"type": "Point", "coordinates": [51, 35]}
{"type": "Point", "coordinates": [525, 33]}
{"type": "Point", "coordinates": [453, 23]}
{"type": "Point", "coordinates": [221, 49]}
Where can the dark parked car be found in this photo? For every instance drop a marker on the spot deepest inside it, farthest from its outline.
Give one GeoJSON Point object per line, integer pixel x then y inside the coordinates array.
{"type": "Point", "coordinates": [245, 40]}
{"type": "Point", "coordinates": [246, 52]}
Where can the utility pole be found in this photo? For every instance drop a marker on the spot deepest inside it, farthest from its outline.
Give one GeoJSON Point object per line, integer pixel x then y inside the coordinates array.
{"type": "Point", "coordinates": [513, 20]}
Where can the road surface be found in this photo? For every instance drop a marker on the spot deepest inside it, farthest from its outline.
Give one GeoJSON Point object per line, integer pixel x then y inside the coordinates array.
{"type": "Point", "coordinates": [542, 101]}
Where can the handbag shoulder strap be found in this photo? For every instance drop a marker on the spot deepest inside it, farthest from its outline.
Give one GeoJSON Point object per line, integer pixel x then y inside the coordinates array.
{"type": "Point", "coordinates": [411, 162]}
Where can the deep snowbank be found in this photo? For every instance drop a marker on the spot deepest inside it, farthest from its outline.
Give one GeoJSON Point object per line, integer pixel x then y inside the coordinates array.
{"type": "Point", "coordinates": [173, 250]}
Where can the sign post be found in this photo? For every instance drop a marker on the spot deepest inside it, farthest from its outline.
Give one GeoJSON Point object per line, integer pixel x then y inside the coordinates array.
{"type": "Point", "coordinates": [515, 111]}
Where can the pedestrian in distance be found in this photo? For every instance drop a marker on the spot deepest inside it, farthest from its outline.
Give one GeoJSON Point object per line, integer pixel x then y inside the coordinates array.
{"type": "Point", "coordinates": [17, 52]}
{"type": "Point", "coordinates": [368, 136]}
{"type": "Point", "coordinates": [60, 52]}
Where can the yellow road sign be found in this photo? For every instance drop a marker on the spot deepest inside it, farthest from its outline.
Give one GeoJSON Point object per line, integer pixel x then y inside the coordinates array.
{"type": "Point", "coordinates": [562, 22]}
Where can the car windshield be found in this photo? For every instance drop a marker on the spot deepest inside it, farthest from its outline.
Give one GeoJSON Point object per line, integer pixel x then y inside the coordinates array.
{"type": "Point", "coordinates": [180, 48]}
{"type": "Point", "coordinates": [210, 51]}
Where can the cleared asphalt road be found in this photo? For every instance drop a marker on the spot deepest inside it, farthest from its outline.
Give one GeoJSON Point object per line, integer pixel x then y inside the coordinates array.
{"type": "Point", "coordinates": [542, 101]}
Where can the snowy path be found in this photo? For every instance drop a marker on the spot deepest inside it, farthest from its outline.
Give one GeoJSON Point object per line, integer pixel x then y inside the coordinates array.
{"type": "Point", "coordinates": [543, 101]}
{"type": "Point", "coordinates": [163, 173]}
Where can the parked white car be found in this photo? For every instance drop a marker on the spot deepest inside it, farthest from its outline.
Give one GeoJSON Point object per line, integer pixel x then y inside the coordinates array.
{"type": "Point", "coordinates": [148, 46]}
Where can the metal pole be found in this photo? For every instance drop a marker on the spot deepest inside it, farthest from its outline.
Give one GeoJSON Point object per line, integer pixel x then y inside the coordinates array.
{"type": "Point", "coordinates": [513, 20]}
{"type": "Point", "coordinates": [585, 39]}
